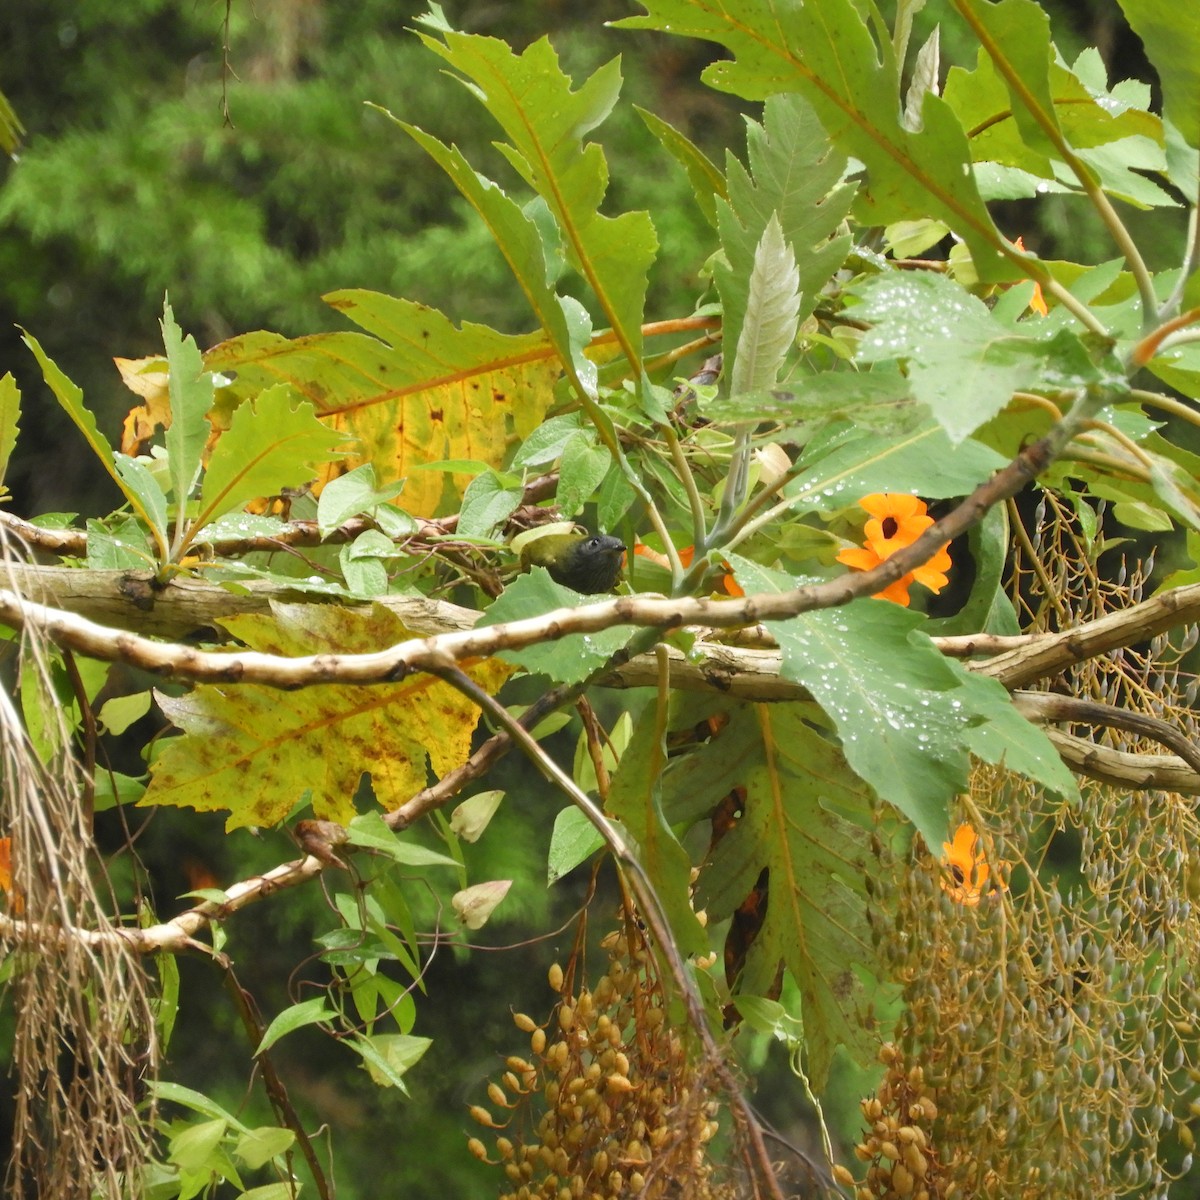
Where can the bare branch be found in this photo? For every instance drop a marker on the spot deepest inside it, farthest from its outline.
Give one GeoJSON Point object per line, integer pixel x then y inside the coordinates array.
{"type": "Point", "coordinates": [73, 542]}
{"type": "Point", "coordinates": [1051, 706]}
{"type": "Point", "coordinates": [183, 607]}
{"type": "Point", "coordinates": [1162, 772]}
{"type": "Point", "coordinates": [1052, 653]}
{"type": "Point", "coordinates": [180, 932]}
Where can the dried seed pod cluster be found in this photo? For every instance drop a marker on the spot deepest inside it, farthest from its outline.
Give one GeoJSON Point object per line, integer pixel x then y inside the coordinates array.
{"type": "Point", "coordinates": [898, 1142]}
{"type": "Point", "coordinates": [609, 1102]}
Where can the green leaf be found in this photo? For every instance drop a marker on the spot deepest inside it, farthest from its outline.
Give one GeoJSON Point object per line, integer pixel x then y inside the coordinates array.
{"type": "Point", "coordinates": [567, 659]}
{"type": "Point", "coordinates": [583, 469]}
{"type": "Point", "coordinates": [176, 1093]}
{"type": "Point", "coordinates": [772, 313]}
{"type": "Point", "coordinates": [10, 416]}
{"type": "Point", "coordinates": [892, 698]}
{"type": "Point", "coordinates": [307, 1012]}
{"type": "Point", "coordinates": [388, 1056]}
{"type": "Point", "coordinates": [1175, 482]}
{"type": "Point", "coordinates": [1017, 36]}
{"type": "Point", "coordinates": [489, 500]}
{"type": "Point", "coordinates": [112, 788]}
{"type": "Point", "coordinates": [195, 1148]}
{"type": "Point", "coordinates": [545, 122]}
{"type": "Point", "coordinates": [191, 398]}
{"type": "Point", "coordinates": [370, 831]}
{"type": "Point", "coordinates": [119, 712]}
{"type": "Point", "coordinates": [880, 400]}
{"type": "Point", "coordinates": [703, 174]}
{"type": "Point", "coordinates": [615, 498]}
{"type": "Point", "coordinates": [1180, 367]}
{"type": "Point", "coordinates": [1170, 34]}
{"type": "Point", "coordinates": [547, 442]}
{"type": "Point", "coordinates": [260, 1145]}
{"type": "Point", "coordinates": [923, 461]}
{"type": "Point", "coordinates": [794, 178]}
{"type": "Point", "coordinates": [824, 49]}
{"type": "Point", "coordinates": [365, 577]}
{"type": "Point", "coordinates": [962, 363]}
{"type": "Point", "coordinates": [271, 443]}
{"type": "Point", "coordinates": [140, 481]}
{"type": "Point", "coordinates": [350, 495]}
{"type": "Point", "coordinates": [1003, 737]}
{"type": "Point", "coordinates": [166, 1004]}
{"type": "Point", "coordinates": [771, 1018]}
{"type": "Point", "coordinates": [635, 799]}
{"type": "Point", "coordinates": [805, 818]}
{"type": "Point", "coordinates": [573, 840]}
{"type": "Point", "coordinates": [71, 399]}
{"type": "Point", "coordinates": [272, 1191]}
{"type": "Point", "coordinates": [1087, 114]}
{"type": "Point", "coordinates": [121, 544]}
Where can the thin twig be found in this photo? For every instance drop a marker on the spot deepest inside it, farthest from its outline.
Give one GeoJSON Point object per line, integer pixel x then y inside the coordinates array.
{"type": "Point", "coordinates": [1053, 706]}
{"type": "Point", "coordinates": [1185, 412]}
{"type": "Point", "coordinates": [275, 1089]}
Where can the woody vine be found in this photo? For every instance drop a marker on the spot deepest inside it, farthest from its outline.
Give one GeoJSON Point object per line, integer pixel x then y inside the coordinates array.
{"type": "Point", "coordinates": [894, 684]}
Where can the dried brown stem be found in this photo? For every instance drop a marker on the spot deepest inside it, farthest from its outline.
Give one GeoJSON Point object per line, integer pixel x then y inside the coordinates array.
{"type": "Point", "coordinates": [273, 1084]}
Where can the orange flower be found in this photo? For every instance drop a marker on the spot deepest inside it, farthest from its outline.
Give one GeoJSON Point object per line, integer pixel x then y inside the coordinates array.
{"type": "Point", "coordinates": [967, 869]}
{"type": "Point", "coordinates": [865, 559]}
{"type": "Point", "coordinates": [728, 584]}
{"type": "Point", "coordinates": [1037, 302]}
{"type": "Point", "coordinates": [16, 901]}
{"type": "Point", "coordinates": [897, 520]}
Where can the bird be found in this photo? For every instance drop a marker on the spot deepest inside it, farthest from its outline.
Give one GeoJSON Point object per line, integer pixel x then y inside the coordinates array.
{"type": "Point", "coordinates": [588, 563]}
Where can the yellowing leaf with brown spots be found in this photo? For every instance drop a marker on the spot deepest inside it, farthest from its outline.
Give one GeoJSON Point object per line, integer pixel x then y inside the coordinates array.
{"type": "Point", "coordinates": [255, 750]}
{"type": "Point", "coordinates": [145, 377]}
{"type": "Point", "coordinates": [419, 389]}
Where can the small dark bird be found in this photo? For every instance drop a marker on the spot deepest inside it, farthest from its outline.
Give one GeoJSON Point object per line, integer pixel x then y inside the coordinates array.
{"type": "Point", "coordinates": [586, 563]}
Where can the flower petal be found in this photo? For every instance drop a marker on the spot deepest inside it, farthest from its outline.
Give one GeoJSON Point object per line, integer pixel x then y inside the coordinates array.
{"type": "Point", "coordinates": [896, 592]}
{"type": "Point", "coordinates": [896, 505]}
{"type": "Point", "coordinates": [859, 557]}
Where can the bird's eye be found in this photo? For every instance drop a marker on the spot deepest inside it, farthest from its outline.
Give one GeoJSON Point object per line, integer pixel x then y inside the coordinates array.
{"type": "Point", "coordinates": [593, 542]}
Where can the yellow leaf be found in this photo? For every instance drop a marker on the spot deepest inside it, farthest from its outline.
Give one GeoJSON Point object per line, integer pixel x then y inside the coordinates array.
{"type": "Point", "coordinates": [256, 751]}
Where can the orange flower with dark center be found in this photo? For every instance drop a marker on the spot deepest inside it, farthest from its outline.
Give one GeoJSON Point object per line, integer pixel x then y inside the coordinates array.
{"type": "Point", "coordinates": [897, 520]}
{"type": "Point", "coordinates": [967, 868]}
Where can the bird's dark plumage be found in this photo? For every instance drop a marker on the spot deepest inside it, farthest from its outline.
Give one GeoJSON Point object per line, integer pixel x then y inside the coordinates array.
{"type": "Point", "coordinates": [587, 563]}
